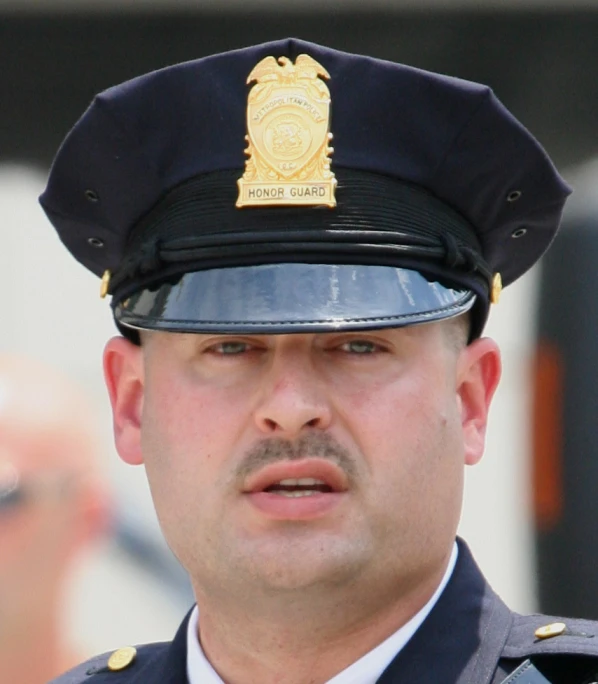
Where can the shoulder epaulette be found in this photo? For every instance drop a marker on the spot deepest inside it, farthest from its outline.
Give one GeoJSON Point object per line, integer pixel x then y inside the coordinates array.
{"type": "Point", "coordinates": [565, 650]}
{"type": "Point", "coordinates": [548, 635]}
{"type": "Point", "coordinates": [114, 667]}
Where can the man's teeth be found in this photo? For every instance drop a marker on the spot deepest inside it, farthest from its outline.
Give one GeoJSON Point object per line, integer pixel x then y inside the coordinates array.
{"type": "Point", "coordinates": [294, 487]}
{"type": "Point", "coordinates": [302, 482]}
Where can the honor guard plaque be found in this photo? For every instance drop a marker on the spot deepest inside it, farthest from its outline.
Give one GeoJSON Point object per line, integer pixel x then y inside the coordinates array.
{"type": "Point", "coordinates": [288, 135]}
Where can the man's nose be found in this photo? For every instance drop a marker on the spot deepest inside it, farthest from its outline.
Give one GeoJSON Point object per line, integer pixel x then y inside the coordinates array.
{"type": "Point", "coordinates": [293, 397]}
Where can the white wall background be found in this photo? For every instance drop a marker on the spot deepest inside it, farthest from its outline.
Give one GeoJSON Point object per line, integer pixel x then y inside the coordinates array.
{"type": "Point", "coordinates": [51, 309]}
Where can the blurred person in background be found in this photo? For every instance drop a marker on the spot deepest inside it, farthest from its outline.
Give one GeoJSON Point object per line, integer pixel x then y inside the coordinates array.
{"type": "Point", "coordinates": [301, 369]}
{"type": "Point", "coordinates": [53, 506]}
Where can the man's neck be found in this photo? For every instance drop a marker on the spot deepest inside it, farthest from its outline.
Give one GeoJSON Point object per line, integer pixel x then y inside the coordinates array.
{"type": "Point", "coordinates": [303, 646]}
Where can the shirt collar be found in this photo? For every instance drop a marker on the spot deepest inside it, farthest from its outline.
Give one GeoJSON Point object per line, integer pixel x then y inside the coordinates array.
{"type": "Point", "coordinates": [366, 670]}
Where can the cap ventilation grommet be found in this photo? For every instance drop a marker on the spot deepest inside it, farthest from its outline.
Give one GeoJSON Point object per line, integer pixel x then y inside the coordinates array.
{"type": "Point", "coordinates": [514, 195]}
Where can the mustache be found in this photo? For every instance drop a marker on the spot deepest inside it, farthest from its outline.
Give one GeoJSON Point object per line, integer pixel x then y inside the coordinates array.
{"type": "Point", "coordinates": [310, 445]}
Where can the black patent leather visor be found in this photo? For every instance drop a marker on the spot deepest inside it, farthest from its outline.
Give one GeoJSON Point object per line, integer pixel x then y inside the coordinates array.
{"type": "Point", "coordinates": [291, 298]}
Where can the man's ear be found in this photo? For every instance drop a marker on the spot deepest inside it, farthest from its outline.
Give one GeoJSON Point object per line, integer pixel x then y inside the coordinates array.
{"type": "Point", "coordinates": [123, 373]}
{"type": "Point", "coordinates": [478, 373]}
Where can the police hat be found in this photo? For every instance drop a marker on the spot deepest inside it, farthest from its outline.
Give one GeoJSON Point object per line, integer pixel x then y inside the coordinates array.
{"type": "Point", "coordinates": [289, 187]}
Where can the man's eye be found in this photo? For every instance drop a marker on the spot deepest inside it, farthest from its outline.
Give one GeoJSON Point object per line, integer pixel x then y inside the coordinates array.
{"type": "Point", "coordinates": [230, 348]}
{"type": "Point", "coordinates": [359, 347]}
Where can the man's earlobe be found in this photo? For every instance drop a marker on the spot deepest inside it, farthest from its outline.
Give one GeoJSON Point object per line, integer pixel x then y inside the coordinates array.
{"type": "Point", "coordinates": [123, 373]}
{"type": "Point", "coordinates": [478, 374]}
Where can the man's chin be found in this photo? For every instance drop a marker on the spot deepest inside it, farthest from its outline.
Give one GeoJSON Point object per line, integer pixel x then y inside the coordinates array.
{"type": "Point", "coordinates": [304, 564]}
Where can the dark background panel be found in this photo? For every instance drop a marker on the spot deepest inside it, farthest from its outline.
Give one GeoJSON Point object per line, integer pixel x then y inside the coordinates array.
{"type": "Point", "coordinates": [567, 549]}
{"type": "Point", "coordinates": [543, 66]}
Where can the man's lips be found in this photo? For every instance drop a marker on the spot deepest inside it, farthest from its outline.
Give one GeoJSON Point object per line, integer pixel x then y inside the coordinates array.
{"type": "Point", "coordinates": [285, 490]}
{"type": "Point", "coordinates": [314, 468]}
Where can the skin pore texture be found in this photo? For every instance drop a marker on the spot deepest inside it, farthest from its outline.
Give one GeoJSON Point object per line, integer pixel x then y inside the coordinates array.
{"type": "Point", "coordinates": [294, 591]}
{"type": "Point", "coordinates": [47, 441]}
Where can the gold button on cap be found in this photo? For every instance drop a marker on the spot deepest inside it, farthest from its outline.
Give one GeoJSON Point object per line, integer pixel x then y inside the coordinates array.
{"type": "Point", "coordinates": [122, 658]}
{"type": "Point", "coordinates": [496, 288]}
{"type": "Point", "coordinates": [105, 284]}
{"type": "Point", "coordinates": [551, 630]}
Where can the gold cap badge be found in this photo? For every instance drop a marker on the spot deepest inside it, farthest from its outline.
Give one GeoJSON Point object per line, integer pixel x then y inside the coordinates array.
{"type": "Point", "coordinates": [288, 122]}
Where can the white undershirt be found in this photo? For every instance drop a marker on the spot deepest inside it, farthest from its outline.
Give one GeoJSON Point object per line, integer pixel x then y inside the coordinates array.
{"type": "Point", "coordinates": [366, 670]}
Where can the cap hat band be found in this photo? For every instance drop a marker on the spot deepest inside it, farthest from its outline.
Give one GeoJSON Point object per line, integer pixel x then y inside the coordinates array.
{"type": "Point", "coordinates": [379, 220]}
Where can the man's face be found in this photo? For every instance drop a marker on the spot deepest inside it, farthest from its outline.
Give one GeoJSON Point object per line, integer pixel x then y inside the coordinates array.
{"type": "Point", "coordinates": [286, 462]}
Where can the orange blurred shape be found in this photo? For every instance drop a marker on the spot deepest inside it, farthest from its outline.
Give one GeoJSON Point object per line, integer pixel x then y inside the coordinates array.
{"type": "Point", "coordinates": [547, 419]}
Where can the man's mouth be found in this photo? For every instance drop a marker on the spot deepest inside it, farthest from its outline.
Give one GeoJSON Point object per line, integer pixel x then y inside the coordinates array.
{"type": "Point", "coordinates": [295, 487]}
{"type": "Point", "coordinates": [304, 477]}
{"type": "Point", "coordinates": [297, 490]}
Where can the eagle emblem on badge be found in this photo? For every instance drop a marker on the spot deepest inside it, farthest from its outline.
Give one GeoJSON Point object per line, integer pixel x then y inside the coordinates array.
{"type": "Point", "coordinates": [288, 135]}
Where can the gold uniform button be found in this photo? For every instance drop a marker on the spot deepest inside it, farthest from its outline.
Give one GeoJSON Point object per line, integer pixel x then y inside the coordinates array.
{"type": "Point", "coordinates": [551, 630]}
{"type": "Point", "coordinates": [122, 658]}
{"type": "Point", "coordinates": [105, 284]}
{"type": "Point", "coordinates": [496, 288]}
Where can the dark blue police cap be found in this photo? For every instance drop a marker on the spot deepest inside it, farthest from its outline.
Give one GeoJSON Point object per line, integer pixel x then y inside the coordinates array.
{"type": "Point", "coordinates": [289, 187]}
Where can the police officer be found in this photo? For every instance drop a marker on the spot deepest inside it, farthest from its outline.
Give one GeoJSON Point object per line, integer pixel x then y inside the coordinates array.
{"type": "Point", "coordinates": [302, 246]}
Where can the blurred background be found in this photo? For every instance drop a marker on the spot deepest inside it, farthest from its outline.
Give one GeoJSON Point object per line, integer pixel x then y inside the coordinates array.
{"type": "Point", "coordinates": [529, 512]}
